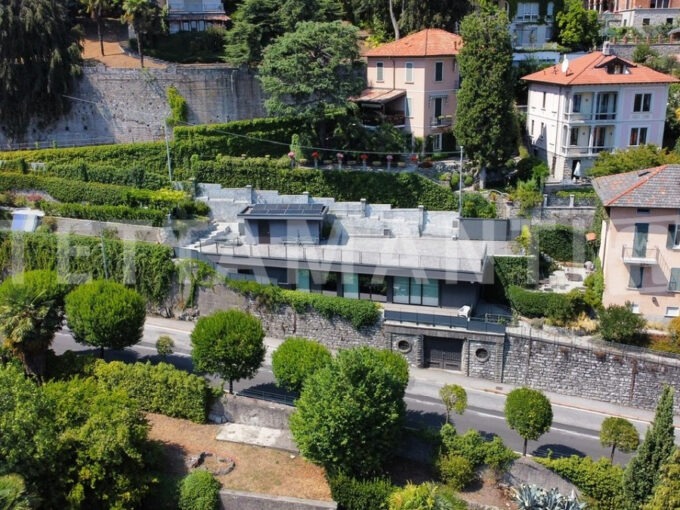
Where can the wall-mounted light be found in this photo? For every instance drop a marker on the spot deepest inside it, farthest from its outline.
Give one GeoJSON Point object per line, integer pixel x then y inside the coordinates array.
{"type": "Point", "coordinates": [655, 301]}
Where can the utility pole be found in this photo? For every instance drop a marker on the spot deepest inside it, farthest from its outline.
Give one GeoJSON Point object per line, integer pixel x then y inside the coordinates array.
{"type": "Point", "coordinates": [167, 149]}
{"type": "Point", "coordinates": [460, 186]}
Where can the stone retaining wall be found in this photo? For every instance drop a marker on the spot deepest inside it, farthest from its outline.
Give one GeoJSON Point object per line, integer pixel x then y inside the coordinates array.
{"type": "Point", "coordinates": [237, 500]}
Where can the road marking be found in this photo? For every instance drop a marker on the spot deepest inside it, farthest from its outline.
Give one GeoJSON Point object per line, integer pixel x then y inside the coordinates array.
{"type": "Point", "coordinates": [156, 326]}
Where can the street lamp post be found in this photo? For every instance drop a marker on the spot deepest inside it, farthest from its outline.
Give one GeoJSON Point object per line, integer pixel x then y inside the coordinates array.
{"type": "Point", "coordinates": [167, 149]}
{"type": "Point", "coordinates": [460, 186]}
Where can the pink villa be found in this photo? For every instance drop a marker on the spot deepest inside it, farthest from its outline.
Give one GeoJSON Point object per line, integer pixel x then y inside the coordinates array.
{"type": "Point", "coordinates": [640, 248]}
{"type": "Point", "coordinates": [412, 83]}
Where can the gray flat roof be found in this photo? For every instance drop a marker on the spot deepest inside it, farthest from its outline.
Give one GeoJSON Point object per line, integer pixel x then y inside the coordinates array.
{"type": "Point", "coordinates": [288, 211]}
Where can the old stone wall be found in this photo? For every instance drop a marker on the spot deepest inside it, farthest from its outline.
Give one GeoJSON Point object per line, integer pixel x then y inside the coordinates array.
{"type": "Point", "coordinates": [130, 105]}
{"type": "Point", "coordinates": [621, 377]}
{"type": "Point", "coordinates": [626, 50]}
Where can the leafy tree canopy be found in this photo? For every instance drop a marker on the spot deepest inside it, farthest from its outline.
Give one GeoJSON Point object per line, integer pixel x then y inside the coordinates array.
{"type": "Point", "coordinates": [454, 398]}
{"type": "Point", "coordinates": [579, 27]}
{"type": "Point", "coordinates": [39, 59]}
{"type": "Point", "coordinates": [257, 23]}
{"type": "Point", "coordinates": [313, 68]}
{"type": "Point", "coordinates": [667, 492]}
{"type": "Point", "coordinates": [619, 433]}
{"type": "Point", "coordinates": [350, 413]}
{"type": "Point", "coordinates": [529, 413]}
{"type": "Point", "coordinates": [484, 119]}
{"type": "Point", "coordinates": [620, 324]}
{"type": "Point", "coordinates": [229, 344]}
{"type": "Point", "coordinates": [637, 158]}
{"type": "Point", "coordinates": [104, 313]}
{"type": "Point", "coordinates": [296, 359]}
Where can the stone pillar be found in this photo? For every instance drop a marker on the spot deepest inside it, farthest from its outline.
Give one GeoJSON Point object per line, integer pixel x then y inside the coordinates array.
{"type": "Point", "coordinates": [363, 207]}
{"type": "Point", "coordinates": [571, 200]}
{"type": "Point", "coordinates": [306, 194]}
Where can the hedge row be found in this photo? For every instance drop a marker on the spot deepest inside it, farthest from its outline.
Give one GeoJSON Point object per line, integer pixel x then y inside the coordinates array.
{"type": "Point", "coordinates": [399, 189]}
{"type": "Point", "coordinates": [147, 267]}
{"type": "Point", "coordinates": [360, 312]}
{"type": "Point", "coordinates": [160, 388]}
{"type": "Point", "coordinates": [563, 243]}
{"type": "Point", "coordinates": [152, 217]}
{"type": "Point", "coordinates": [355, 494]}
{"type": "Point", "coordinates": [560, 308]}
{"type": "Point", "coordinates": [135, 176]}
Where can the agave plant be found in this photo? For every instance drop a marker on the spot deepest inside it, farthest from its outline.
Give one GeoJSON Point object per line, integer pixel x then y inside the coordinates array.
{"type": "Point", "coordinates": [531, 497]}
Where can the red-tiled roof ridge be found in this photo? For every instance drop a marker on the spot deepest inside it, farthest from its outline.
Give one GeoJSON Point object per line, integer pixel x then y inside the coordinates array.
{"type": "Point", "coordinates": [425, 43]}
{"type": "Point", "coordinates": [649, 173]}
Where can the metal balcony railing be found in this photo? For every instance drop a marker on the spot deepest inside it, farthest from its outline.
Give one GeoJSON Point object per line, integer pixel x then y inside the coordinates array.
{"type": "Point", "coordinates": [637, 256]}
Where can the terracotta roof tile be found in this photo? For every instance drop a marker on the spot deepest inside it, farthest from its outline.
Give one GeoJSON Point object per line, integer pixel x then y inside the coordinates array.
{"type": "Point", "coordinates": [431, 42]}
{"type": "Point", "coordinates": [591, 69]}
{"type": "Point", "coordinates": [657, 187]}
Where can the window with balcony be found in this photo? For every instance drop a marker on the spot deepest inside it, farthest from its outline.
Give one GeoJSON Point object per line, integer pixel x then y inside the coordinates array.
{"type": "Point", "coordinates": [673, 240]}
{"type": "Point", "coordinates": [409, 72]}
{"type": "Point", "coordinates": [642, 103]}
{"type": "Point", "coordinates": [637, 274]}
{"type": "Point", "coordinates": [674, 281]}
{"type": "Point", "coordinates": [576, 103]}
{"type": "Point", "coordinates": [659, 4]}
{"type": "Point", "coordinates": [415, 291]}
{"type": "Point", "coordinates": [606, 106]}
{"type": "Point", "coordinates": [573, 136]}
{"type": "Point", "coordinates": [638, 136]}
{"type": "Point", "coordinates": [380, 71]}
{"type": "Point", "coordinates": [438, 71]}
{"type": "Point", "coordinates": [527, 12]}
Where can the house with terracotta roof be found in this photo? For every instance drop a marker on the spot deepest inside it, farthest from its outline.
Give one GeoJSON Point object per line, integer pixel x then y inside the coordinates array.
{"type": "Point", "coordinates": [644, 13]}
{"type": "Point", "coordinates": [594, 103]}
{"type": "Point", "coordinates": [194, 15]}
{"type": "Point", "coordinates": [640, 247]}
{"type": "Point", "coordinates": [412, 83]}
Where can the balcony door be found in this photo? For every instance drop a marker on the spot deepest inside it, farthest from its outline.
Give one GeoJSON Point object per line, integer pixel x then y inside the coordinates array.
{"type": "Point", "coordinates": [438, 102]}
{"type": "Point", "coordinates": [640, 240]}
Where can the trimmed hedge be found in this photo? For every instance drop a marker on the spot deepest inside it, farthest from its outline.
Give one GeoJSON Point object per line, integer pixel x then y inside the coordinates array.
{"type": "Point", "coordinates": [354, 494]}
{"type": "Point", "coordinates": [401, 189]}
{"type": "Point", "coordinates": [151, 269]}
{"type": "Point", "coordinates": [360, 312]}
{"type": "Point", "coordinates": [560, 308]}
{"type": "Point", "coordinates": [160, 388]}
{"type": "Point", "coordinates": [105, 213]}
{"type": "Point", "coordinates": [563, 243]}
{"type": "Point", "coordinates": [136, 176]}
{"type": "Point", "coordinates": [599, 480]}
{"type": "Point", "coordinates": [199, 490]}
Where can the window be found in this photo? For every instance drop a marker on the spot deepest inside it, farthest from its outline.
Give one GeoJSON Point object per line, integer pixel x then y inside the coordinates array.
{"type": "Point", "coordinates": [573, 136]}
{"type": "Point", "coordinates": [532, 127]}
{"type": "Point", "coordinates": [303, 280]}
{"type": "Point", "coordinates": [606, 106]}
{"type": "Point", "coordinates": [673, 239]}
{"type": "Point", "coordinates": [669, 21]}
{"type": "Point", "coordinates": [637, 274]}
{"type": "Point", "coordinates": [645, 21]}
{"type": "Point", "coordinates": [350, 285]}
{"type": "Point", "coordinates": [438, 71]}
{"type": "Point", "coordinates": [415, 291]}
{"type": "Point", "coordinates": [642, 211]}
{"type": "Point", "coordinates": [543, 101]}
{"type": "Point", "coordinates": [672, 311]}
{"type": "Point", "coordinates": [409, 109]}
{"type": "Point", "coordinates": [437, 142]}
{"type": "Point", "coordinates": [638, 136]}
{"type": "Point", "coordinates": [635, 308]}
{"type": "Point", "coordinates": [642, 103]}
{"type": "Point", "coordinates": [550, 10]}
{"type": "Point", "coordinates": [380, 71]}
{"type": "Point", "coordinates": [674, 282]}
{"type": "Point", "coordinates": [527, 11]}
{"type": "Point", "coordinates": [409, 72]}
{"type": "Point", "coordinates": [576, 103]}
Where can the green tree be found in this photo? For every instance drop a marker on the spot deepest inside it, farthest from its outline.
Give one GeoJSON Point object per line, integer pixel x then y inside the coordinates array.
{"type": "Point", "coordinates": [39, 60]}
{"type": "Point", "coordinates": [103, 313]}
{"type": "Point", "coordinates": [642, 472]}
{"type": "Point", "coordinates": [31, 312]}
{"type": "Point", "coordinates": [619, 324]}
{"type": "Point", "coordinates": [529, 413]}
{"type": "Point", "coordinates": [637, 158]}
{"type": "Point", "coordinates": [144, 16]}
{"type": "Point", "coordinates": [13, 494]}
{"type": "Point", "coordinates": [579, 28]}
{"type": "Point", "coordinates": [296, 359]}
{"type": "Point", "coordinates": [315, 67]}
{"type": "Point", "coordinates": [350, 413]}
{"type": "Point", "coordinates": [229, 344]}
{"type": "Point", "coordinates": [426, 496]}
{"type": "Point", "coordinates": [257, 23]}
{"type": "Point", "coordinates": [96, 9]}
{"type": "Point", "coordinates": [454, 398]}
{"type": "Point", "coordinates": [619, 433]}
{"type": "Point", "coordinates": [103, 445]}
{"type": "Point", "coordinates": [667, 492]}
{"type": "Point", "coordinates": [485, 117]}
{"type": "Point", "coordinates": [199, 490]}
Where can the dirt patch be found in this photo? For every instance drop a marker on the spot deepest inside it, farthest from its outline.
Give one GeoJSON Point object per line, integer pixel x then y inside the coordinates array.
{"type": "Point", "coordinates": [256, 469]}
{"type": "Point", "coordinates": [115, 34]}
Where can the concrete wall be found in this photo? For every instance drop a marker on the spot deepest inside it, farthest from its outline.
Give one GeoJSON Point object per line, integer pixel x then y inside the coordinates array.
{"type": "Point", "coordinates": [129, 105]}
{"type": "Point", "coordinates": [626, 50]}
{"type": "Point", "coordinates": [254, 412]}
{"type": "Point", "coordinates": [237, 500]}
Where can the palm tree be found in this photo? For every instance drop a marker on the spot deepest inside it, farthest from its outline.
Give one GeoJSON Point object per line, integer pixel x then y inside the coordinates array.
{"type": "Point", "coordinates": [96, 8]}
{"type": "Point", "coordinates": [13, 494]}
{"type": "Point", "coordinates": [142, 15]}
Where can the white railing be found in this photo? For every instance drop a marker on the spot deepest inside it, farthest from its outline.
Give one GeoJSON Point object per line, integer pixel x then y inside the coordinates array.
{"type": "Point", "coordinates": [585, 150]}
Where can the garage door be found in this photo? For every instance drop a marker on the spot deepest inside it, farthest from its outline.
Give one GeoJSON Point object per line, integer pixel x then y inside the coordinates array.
{"type": "Point", "coordinates": [443, 352]}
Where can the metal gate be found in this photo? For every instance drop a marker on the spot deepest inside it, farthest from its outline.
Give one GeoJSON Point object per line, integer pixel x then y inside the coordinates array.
{"type": "Point", "coordinates": [443, 352]}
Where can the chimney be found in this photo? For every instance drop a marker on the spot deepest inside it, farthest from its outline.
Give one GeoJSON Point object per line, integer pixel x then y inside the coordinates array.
{"type": "Point", "coordinates": [363, 207]}
{"type": "Point", "coordinates": [249, 193]}
{"type": "Point", "coordinates": [306, 194]}
{"type": "Point", "coordinates": [606, 48]}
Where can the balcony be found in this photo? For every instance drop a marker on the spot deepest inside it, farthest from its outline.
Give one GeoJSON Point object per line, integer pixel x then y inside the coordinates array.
{"type": "Point", "coordinates": [638, 257]}
{"type": "Point", "coordinates": [442, 120]}
{"type": "Point", "coordinates": [576, 117]}
{"type": "Point", "coordinates": [574, 151]}
{"type": "Point", "coordinates": [370, 118]}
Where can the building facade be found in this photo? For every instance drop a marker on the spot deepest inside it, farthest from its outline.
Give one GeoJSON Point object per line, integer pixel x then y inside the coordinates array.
{"type": "Point", "coordinates": [194, 15]}
{"type": "Point", "coordinates": [412, 83]}
{"type": "Point", "coordinates": [531, 23]}
{"type": "Point", "coordinates": [594, 103]}
{"type": "Point", "coordinates": [640, 248]}
{"type": "Point", "coordinates": [644, 13]}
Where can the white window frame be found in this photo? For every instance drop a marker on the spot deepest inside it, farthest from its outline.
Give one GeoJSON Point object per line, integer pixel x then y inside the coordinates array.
{"type": "Point", "coordinates": [379, 71]}
{"type": "Point", "coordinates": [408, 71]}
{"type": "Point", "coordinates": [437, 142]}
{"type": "Point", "coordinates": [672, 311]}
{"type": "Point", "coordinates": [638, 136]}
{"type": "Point", "coordinates": [642, 103]}
{"type": "Point", "coordinates": [409, 108]}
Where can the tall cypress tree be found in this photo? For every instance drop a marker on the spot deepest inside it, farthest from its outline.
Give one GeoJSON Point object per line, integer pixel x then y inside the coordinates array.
{"type": "Point", "coordinates": [642, 473]}
{"type": "Point", "coordinates": [485, 121]}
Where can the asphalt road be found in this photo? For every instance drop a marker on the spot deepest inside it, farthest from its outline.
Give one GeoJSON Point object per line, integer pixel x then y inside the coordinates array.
{"type": "Point", "coordinates": [574, 430]}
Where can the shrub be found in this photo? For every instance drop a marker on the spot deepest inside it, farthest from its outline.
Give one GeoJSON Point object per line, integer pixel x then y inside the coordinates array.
{"type": "Point", "coordinates": [105, 213]}
{"type": "Point", "coordinates": [355, 494]}
{"type": "Point", "coordinates": [455, 470]}
{"type": "Point", "coordinates": [674, 329]}
{"type": "Point", "coordinates": [498, 456]}
{"type": "Point", "coordinates": [559, 308]}
{"type": "Point", "coordinates": [178, 107]}
{"type": "Point", "coordinates": [199, 491]}
{"type": "Point", "coordinates": [165, 345]}
{"type": "Point", "coordinates": [619, 324]}
{"type": "Point", "coordinates": [158, 388]}
{"type": "Point", "coordinates": [599, 480]}
{"type": "Point", "coordinates": [594, 284]}
{"type": "Point", "coordinates": [470, 445]}
{"type": "Point", "coordinates": [563, 243]}
{"type": "Point", "coordinates": [296, 359]}
{"type": "Point", "coordinates": [529, 196]}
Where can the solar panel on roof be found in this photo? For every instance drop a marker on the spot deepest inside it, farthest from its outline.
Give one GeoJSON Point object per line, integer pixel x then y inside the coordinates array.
{"type": "Point", "coordinates": [287, 209]}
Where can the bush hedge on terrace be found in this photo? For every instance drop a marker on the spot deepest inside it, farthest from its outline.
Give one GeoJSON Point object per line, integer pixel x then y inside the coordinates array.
{"type": "Point", "coordinates": [398, 189]}
{"type": "Point", "coordinates": [150, 270]}
{"type": "Point", "coordinates": [136, 176]}
{"type": "Point", "coordinates": [152, 217]}
{"type": "Point", "coordinates": [560, 308]}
